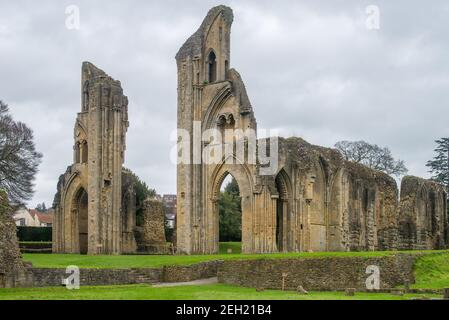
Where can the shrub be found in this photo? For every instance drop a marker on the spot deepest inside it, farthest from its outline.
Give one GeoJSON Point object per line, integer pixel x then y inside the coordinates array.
{"type": "Point", "coordinates": [34, 233]}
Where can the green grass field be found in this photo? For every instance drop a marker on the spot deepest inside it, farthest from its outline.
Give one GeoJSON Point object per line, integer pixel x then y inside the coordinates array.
{"type": "Point", "coordinates": [235, 247]}
{"type": "Point", "coordinates": [150, 261]}
{"type": "Point", "coordinates": [432, 271]}
{"type": "Point", "coordinates": [205, 292]}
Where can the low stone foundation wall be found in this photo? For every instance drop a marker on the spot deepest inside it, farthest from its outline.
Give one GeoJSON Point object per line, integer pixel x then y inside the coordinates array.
{"type": "Point", "coordinates": [319, 274]}
{"type": "Point", "coordinates": [198, 271]}
{"type": "Point", "coordinates": [50, 277]}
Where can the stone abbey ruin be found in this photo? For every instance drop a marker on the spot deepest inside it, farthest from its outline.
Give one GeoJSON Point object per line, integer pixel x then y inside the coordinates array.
{"type": "Point", "coordinates": [94, 210]}
{"type": "Point", "coordinates": [315, 201]}
{"type": "Point", "coordinates": [95, 206]}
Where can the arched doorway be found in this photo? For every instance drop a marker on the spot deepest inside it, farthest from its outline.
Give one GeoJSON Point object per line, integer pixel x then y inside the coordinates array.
{"type": "Point", "coordinates": [81, 209]}
{"type": "Point", "coordinates": [282, 210]}
{"type": "Point", "coordinates": [230, 216]}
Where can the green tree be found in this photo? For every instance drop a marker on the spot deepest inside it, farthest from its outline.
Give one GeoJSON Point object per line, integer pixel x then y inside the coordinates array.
{"type": "Point", "coordinates": [439, 165]}
{"type": "Point", "coordinates": [230, 210]}
{"type": "Point", "coordinates": [41, 207]}
{"type": "Point", "coordinates": [142, 193]}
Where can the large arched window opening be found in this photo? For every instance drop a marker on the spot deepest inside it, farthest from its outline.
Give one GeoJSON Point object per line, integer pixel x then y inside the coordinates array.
{"type": "Point", "coordinates": [212, 67]}
{"type": "Point", "coordinates": [230, 216]}
{"type": "Point", "coordinates": [77, 152]}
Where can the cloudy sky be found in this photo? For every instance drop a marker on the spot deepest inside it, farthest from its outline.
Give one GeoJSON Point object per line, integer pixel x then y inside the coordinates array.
{"type": "Point", "coordinates": [312, 69]}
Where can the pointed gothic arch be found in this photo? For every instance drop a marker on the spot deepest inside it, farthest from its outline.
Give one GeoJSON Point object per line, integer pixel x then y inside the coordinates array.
{"type": "Point", "coordinates": [283, 209]}
{"type": "Point", "coordinates": [242, 175]}
{"type": "Point", "coordinates": [211, 67]}
{"type": "Point", "coordinates": [80, 210]}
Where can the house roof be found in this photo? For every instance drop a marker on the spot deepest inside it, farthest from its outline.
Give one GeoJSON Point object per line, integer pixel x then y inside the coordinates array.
{"type": "Point", "coordinates": [44, 217]}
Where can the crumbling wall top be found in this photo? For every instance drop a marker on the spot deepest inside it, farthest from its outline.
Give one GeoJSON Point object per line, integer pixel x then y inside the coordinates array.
{"type": "Point", "coordinates": [411, 185]}
{"type": "Point", "coordinates": [90, 72]}
{"type": "Point", "coordinates": [194, 45]}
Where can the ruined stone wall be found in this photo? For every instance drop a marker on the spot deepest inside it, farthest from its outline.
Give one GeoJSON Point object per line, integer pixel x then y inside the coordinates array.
{"type": "Point", "coordinates": [128, 213]}
{"type": "Point", "coordinates": [340, 205]}
{"type": "Point", "coordinates": [345, 206]}
{"type": "Point", "coordinates": [12, 271]}
{"type": "Point", "coordinates": [94, 207]}
{"type": "Point", "coordinates": [153, 230]}
{"type": "Point", "coordinates": [203, 270]}
{"type": "Point", "coordinates": [423, 221]}
{"type": "Point", "coordinates": [372, 208]}
{"type": "Point", "coordinates": [320, 274]}
{"type": "Point", "coordinates": [314, 200]}
{"type": "Point", "coordinates": [211, 95]}
{"type": "Point", "coordinates": [52, 277]}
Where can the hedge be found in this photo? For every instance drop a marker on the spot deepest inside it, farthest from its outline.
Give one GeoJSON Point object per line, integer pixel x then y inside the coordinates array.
{"type": "Point", "coordinates": [34, 233]}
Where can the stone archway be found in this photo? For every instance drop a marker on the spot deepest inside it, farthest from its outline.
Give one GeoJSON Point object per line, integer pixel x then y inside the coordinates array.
{"type": "Point", "coordinates": [283, 218]}
{"type": "Point", "coordinates": [241, 175]}
{"type": "Point", "coordinates": [80, 210]}
{"type": "Point", "coordinates": [230, 211]}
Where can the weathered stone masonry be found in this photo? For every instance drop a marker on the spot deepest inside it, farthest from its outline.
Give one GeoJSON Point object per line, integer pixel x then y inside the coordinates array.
{"type": "Point", "coordinates": [151, 236]}
{"type": "Point", "coordinates": [320, 274]}
{"type": "Point", "coordinates": [47, 277]}
{"type": "Point", "coordinates": [95, 203]}
{"type": "Point", "coordinates": [13, 272]}
{"type": "Point", "coordinates": [315, 201]}
{"type": "Point", "coordinates": [422, 215]}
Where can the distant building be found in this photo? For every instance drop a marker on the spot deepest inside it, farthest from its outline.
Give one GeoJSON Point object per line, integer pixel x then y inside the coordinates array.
{"type": "Point", "coordinates": [32, 218]}
{"type": "Point", "coordinates": [170, 202]}
{"type": "Point", "coordinates": [44, 219]}
{"type": "Point", "coordinates": [24, 218]}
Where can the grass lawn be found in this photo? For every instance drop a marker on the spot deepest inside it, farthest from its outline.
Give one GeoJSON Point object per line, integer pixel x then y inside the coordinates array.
{"type": "Point", "coordinates": [205, 292]}
{"type": "Point", "coordinates": [151, 261]}
{"type": "Point", "coordinates": [432, 272]}
{"type": "Point", "coordinates": [236, 247]}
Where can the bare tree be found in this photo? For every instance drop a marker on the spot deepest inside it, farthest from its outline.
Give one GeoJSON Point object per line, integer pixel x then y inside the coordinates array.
{"type": "Point", "coordinates": [19, 160]}
{"type": "Point", "coordinates": [372, 156]}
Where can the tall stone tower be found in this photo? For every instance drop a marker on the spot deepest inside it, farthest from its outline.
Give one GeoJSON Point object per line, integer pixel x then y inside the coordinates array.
{"type": "Point", "coordinates": [94, 213]}
{"type": "Point", "coordinates": [211, 96]}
